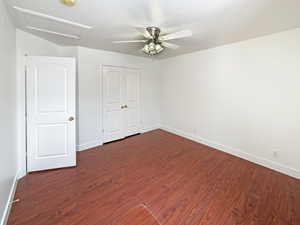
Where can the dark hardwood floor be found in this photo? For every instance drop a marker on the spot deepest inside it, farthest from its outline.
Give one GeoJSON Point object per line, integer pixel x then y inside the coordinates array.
{"type": "Point", "coordinates": [178, 181]}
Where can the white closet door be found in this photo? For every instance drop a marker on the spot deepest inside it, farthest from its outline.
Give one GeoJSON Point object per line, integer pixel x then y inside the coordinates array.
{"type": "Point", "coordinates": [132, 102]}
{"type": "Point", "coordinates": [113, 118]}
{"type": "Point", "coordinates": [51, 126]}
{"type": "Point", "coordinates": [121, 106]}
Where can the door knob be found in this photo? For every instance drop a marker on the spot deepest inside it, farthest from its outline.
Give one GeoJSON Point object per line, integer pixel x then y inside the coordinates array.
{"type": "Point", "coordinates": [122, 107]}
{"type": "Point", "coordinates": [125, 106]}
{"type": "Point", "coordinates": [71, 118]}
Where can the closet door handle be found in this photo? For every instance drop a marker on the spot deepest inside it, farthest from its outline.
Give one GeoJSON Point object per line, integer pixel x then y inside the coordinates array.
{"type": "Point", "coordinates": [125, 106]}
{"type": "Point", "coordinates": [122, 107]}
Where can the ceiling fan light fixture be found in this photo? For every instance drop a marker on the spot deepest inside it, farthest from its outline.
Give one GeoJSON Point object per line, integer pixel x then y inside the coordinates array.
{"type": "Point", "coordinates": [158, 48]}
{"type": "Point", "coordinates": [146, 48]}
{"type": "Point", "coordinates": [152, 48]}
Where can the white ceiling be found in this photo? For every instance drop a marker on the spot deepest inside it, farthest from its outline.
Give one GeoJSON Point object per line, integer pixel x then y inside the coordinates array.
{"type": "Point", "coordinates": [213, 22]}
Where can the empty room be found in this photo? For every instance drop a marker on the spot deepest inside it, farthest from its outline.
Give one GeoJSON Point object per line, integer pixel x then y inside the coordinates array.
{"type": "Point", "coordinates": [150, 112]}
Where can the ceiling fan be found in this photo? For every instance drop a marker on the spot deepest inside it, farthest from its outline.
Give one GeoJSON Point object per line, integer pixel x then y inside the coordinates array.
{"type": "Point", "coordinates": [154, 43]}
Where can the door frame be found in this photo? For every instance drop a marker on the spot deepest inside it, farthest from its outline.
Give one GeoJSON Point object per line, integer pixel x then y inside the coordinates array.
{"type": "Point", "coordinates": [21, 115]}
{"type": "Point", "coordinates": [100, 104]}
{"type": "Point", "coordinates": [21, 93]}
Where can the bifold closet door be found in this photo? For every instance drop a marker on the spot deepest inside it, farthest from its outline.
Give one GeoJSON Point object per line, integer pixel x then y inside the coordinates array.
{"type": "Point", "coordinates": [121, 107]}
{"type": "Point", "coordinates": [132, 104]}
{"type": "Point", "coordinates": [113, 89]}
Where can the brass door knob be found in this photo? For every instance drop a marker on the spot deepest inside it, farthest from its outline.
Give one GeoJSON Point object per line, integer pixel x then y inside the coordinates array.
{"type": "Point", "coordinates": [71, 118]}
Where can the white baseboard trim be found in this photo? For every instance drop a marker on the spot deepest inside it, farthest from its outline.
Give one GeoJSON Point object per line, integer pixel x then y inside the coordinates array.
{"type": "Point", "coordinates": [237, 152]}
{"type": "Point", "coordinates": [150, 128]}
{"type": "Point", "coordinates": [89, 145]}
{"type": "Point", "coordinates": [11, 196]}
{"type": "Point", "coordinates": [96, 143]}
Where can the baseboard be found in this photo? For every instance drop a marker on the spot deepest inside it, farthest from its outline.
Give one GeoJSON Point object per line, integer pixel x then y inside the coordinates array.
{"type": "Point", "coordinates": [150, 128]}
{"type": "Point", "coordinates": [89, 145]}
{"type": "Point", "coordinates": [96, 143]}
{"type": "Point", "coordinates": [11, 196]}
{"type": "Point", "coordinates": [237, 152]}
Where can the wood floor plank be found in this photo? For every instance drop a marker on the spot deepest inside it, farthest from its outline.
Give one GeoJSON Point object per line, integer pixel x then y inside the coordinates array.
{"type": "Point", "coordinates": [179, 181]}
{"type": "Point", "coordinates": [137, 216]}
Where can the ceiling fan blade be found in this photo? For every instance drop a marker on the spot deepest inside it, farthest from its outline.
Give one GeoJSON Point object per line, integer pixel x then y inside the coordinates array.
{"type": "Point", "coordinates": [130, 41]}
{"type": "Point", "coordinates": [170, 45]}
{"type": "Point", "coordinates": [143, 32]}
{"type": "Point", "coordinates": [176, 35]}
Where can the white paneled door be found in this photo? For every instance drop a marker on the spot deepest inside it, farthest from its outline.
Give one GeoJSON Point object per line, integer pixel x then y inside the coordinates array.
{"type": "Point", "coordinates": [51, 129]}
{"type": "Point", "coordinates": [121, 106]}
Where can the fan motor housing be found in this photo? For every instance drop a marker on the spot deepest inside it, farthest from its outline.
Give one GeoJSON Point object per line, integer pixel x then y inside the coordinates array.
{"type": "Point", "coordinates": [154, 32]}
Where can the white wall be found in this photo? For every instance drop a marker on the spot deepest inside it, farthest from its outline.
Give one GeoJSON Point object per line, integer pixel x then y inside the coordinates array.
{"type": "Point", "coordinates": [8, 156]}
{"type": "Point", "coordinates": [28, 44]}
{"type": "Point", "coordinates": [242, 98]}
{"type": "Point", "coordinates": [89, 89]}
{"type": "Point", "coordinates": [33, 45]}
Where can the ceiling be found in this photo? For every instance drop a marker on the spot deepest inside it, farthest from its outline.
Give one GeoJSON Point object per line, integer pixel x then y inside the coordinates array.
{"type": "Point", "coordinates": [213, 22]}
